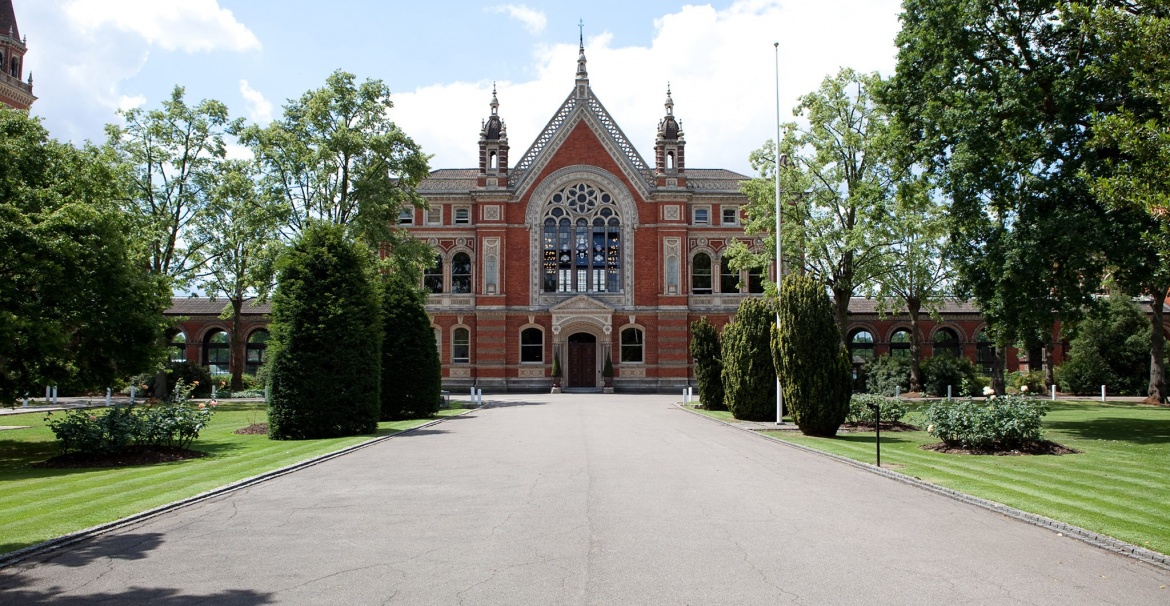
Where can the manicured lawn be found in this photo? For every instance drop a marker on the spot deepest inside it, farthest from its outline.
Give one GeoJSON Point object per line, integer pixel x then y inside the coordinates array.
{"type": "Point", "coordinates": [1119, 485]}
{"type": "Point", "coordinates": [38, 504]}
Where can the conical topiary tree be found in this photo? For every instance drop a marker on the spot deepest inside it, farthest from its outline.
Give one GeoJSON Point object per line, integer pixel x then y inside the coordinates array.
{"type": "Point", "coordinates": [813, 366]}
{"type": "Point", "coordinates": [411, 372]}
{"type": "Point", "coordinates": [749, 379]}
{"type": "Point", "coordinates": [326, 339]}
{"type": "Point", "coordinates": [708, 364]}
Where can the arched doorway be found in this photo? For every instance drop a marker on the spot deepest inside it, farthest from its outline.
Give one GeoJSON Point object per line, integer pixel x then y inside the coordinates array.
{"type": "Point", "coordinates": [582, 366]}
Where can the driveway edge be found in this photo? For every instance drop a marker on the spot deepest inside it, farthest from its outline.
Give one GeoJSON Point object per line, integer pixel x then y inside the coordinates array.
{"type": "Point", "coordinates": [1101, 541]}
{"type": "Point", "coordinates": [61, 542]}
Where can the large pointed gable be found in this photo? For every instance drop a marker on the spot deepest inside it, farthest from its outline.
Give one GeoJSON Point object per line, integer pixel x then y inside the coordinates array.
{"type": "Point", "coordinates": [8, 25]}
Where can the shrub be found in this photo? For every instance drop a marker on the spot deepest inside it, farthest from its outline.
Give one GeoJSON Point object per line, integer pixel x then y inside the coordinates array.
{"type": "Point", "coordinates": [189, 373]}
{"type": "Point", "coordinates": [1111, 348]}
{"type": "Point", "coordinates": [411, 372]}
{"type": "Point", "coordinates": [708, 364]}
{"type": "Point", "coordinates": [1000, 423]}
{"type": "Point", "coordinates": [1032, 379]}
{"type": "Point", "coordinates": [860, 411]}
{"type": "Point", "coordinates": [749, 377]}
{"type": "Point", "coordinates": [814, 367]}
{"type": "Point", "coordinates": [175, 424]}
{"type": "Point", "coordinates": [884, 374]}
{"type": "Point", "coordinates": [945, 369]}
{"type": "Point", "coordinates": [326, 343]}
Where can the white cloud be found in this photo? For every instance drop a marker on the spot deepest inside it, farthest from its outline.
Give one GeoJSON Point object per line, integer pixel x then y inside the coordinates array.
{"type": "Point", "coordinates": [533, 20]}
{"type": "Point", "coordinates": [186, 25]}
{"type": "Point", "coordinates": [131, 102]}
{"type": "Point", "coordinates": [259, 108]}
{"type": "Point", "coordinates": [720, 65]}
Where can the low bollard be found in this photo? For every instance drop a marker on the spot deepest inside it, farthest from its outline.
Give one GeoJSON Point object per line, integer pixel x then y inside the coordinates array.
{"type": "Point", "coordinates": [949, 392]}
{"type": "Point", "coordinates": [54, 395]}
{"type": "Point", "coordinates": [133, 392]}
{"type": "Point", "coordinates": [1102, 393]}
{"type": "Point", "coordinates": [876, 407]}
{"type": "Point", "coordinates": [1053, 393]}
{"type": "Point", "coordinates": [897, 391]}
{"type": "Point", "coordinates": [108, 394]}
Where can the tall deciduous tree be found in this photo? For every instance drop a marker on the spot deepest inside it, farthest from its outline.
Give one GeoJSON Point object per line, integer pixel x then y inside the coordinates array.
{"type": "Point", "coordinates": [1132, 134]}
{"type": "Point", "coordinates": [76, 309]}
{"type": "Point", "coordinates": [998, 94]}
{"type": "Point", "coordinates": [240, 228]}
{"type": "Point", "coordinates": [336, 156]}
{"type": "Point", "coordinates": [174, 156]}
{"type": "Point", "coordinates": [837, 187]}
{"type": "Point", "coordinates": [918, 274]}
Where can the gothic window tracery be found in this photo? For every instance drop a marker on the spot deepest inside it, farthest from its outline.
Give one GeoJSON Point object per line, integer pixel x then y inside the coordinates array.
{"type": "Point", "coordinates": [581, 241]}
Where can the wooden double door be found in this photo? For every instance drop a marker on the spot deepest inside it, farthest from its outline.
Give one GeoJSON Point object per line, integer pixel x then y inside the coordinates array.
{"type": "Point", "coordinates": [582, 367]}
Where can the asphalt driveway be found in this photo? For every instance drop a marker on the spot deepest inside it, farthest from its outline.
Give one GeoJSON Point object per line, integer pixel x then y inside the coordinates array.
{"type": "Point", "coordinates": [582, 499]}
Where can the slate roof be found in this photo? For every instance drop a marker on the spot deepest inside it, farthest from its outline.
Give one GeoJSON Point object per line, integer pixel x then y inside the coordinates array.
{"type": "Point", "coordinates": [8, 19]}
{"type": "Point", "coordinates": [204, 306]}
{"type": "Point", "coordinates": [463, 180]}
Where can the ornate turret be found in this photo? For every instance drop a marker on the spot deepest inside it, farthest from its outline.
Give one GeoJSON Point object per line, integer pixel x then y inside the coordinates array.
{"type": "Point", "coordinates": [669, 146]}
{"type": "Point", "coordinates": [493, 147]}
{"type": "Point", "coordinates": [582, 73]}
{"type": "Point", "coordinates": [13, 92]}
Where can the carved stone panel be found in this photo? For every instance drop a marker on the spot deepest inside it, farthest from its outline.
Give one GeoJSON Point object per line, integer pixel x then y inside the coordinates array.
{"type": "Point", "coordinates": [532, 373]}
{"type": "Point", "coordinates": [491, 212]}
{"type": "Point", "coordinates": [671, 212]}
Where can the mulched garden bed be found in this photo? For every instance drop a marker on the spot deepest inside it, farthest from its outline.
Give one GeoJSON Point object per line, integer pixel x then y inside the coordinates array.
{"type": "Point", "coordinates": [886, 426]}
{"type": "Point", "coordinates": [133, 456]}
{"type": "Point", "coordinates": [1040, 447]}
{"type": "Point", "coordinates": [254, 429]}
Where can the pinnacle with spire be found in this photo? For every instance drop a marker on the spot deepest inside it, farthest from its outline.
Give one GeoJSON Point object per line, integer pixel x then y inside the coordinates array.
{"type": "Point", "coordinates": [582, 74]}
{"type": "Point", "coordinates": [495, 102]}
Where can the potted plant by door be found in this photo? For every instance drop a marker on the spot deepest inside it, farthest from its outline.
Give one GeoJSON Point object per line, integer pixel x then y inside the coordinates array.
{"type": "Point", "coordinates": [607, 376]}
{"type": "Point", "coordinates": [556, 373]}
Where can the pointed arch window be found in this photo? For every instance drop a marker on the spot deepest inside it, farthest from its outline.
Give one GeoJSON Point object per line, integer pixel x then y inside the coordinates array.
{"type": "Point", "coordinates": [581, 241]}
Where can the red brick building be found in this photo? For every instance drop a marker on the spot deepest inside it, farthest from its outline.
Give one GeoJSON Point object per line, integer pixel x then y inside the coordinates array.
{"type": "Point", "coordinates": [14, 91]}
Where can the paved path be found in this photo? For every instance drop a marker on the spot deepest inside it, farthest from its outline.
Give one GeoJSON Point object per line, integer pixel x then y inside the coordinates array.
{"type": "Point", "coordinates": [583, 499]}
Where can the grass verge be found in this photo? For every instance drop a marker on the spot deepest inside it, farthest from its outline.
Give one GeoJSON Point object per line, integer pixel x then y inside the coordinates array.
{"type": "Point", "coordinates": [38, 504]}
{"type": "Point", "coordinates": [1118, 485]}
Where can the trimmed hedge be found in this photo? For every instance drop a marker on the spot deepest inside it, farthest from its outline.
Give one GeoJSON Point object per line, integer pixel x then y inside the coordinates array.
{"type": "Point", "coordinates": [814, 367]}
{"type": "Point", "coordinates": [326, 343]}
{"type": "Point", "coordinates": [708, 364]}
{"type": "Point", "coordinates": [749, 378]}
{"type": "Point", "coordinates": [411, 372]}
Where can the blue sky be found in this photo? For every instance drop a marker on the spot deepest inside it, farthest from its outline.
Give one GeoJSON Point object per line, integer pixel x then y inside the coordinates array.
{"type": "Point", "coordinates": [90, 57]}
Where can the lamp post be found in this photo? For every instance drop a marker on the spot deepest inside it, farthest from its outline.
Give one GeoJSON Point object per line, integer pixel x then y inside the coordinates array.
{"type": "Point", "coordinates": [780, 161]}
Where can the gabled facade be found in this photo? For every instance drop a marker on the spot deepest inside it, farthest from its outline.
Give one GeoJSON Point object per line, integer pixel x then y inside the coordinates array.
{"type": "Point", "coordinates": [14, 92]}
{"type": "Point", "coordinates": [580, 251]}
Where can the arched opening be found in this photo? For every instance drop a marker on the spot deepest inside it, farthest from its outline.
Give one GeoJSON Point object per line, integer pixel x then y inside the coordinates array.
{"type": "Point", "coordinates": [861, 346]}
{"type": "Point", "coordinates": [531, 345]}
{"type": "Point", "coordinates": [582, 366]}
{"type": "Point", "coordinates": [433, 276]}
{"type": "Point", "coordinates": [701, 274]}
{"type": "Point", "coordinates": [728, 278]}
{"type": "Point", "coordinates": [256, 351]}
{"type": "Point", "coordinates": [900, 343]}
{"type": "Point", "coordinates": [217, 353]}
{"type": "Point", "coordinates": [179, 347]}
{"type": "Point", "coordinates": [946, 341]}
{"type": "Point", "coordinates": [581, 241]}
{"type": "Point", "coordinates": [461, 273]}
{"type": "Point", "coordinates": [984, 353]}
{"type": "Point", "coordinates": [15, 67]}
{"type": "Point", "coordinates": [492, 160]}
{"type": "Point", "coordinates": [460, 346]}
{"type": "Point", "coordinates": [670, 160]}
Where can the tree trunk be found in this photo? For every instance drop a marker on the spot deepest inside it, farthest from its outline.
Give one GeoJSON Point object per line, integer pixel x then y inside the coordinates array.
{"type": "Point", "coordinates": [1157, 390]}
{"type": "Point", "coordinates": [915, 308]}
{"type": "Point", "coordinates": [841, 312]}
{"type": "Point", "coordinates": [998, 370]}
{"type": "Point", "coordinates": [237, 346]}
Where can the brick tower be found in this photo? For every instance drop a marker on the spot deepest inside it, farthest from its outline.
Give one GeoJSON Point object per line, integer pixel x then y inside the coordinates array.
{"type": "Point", "coordinates": [14, 92]}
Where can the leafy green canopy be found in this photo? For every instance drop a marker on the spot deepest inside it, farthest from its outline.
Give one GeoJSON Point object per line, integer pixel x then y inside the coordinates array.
{"type": "Point", "coordinates": [75, 308]}
{"type": "Point", "coordinates": [749, 378]}
{"type": "Point", "coordinates": [335, 156]}
{"type": "Point", "coordinates": [813, 365]}
{"type": "Point", "coordinates": [997, 96]}
{"type": "Point", "coordinates": [411, 371]}
{"type": "Point", "coordinates": [1111, 348]}
{"type": "Point", "coordinates": [326, 344]}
